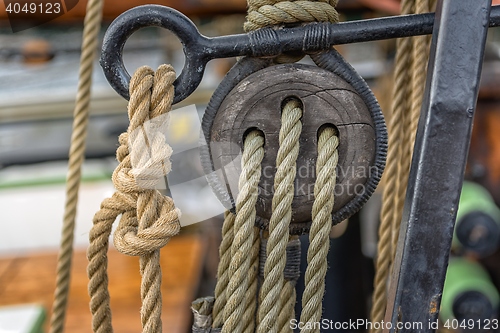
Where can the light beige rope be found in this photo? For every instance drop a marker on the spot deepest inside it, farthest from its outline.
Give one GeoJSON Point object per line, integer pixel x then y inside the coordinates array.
{"type": "Point", "coordinates": [291, 12]}
{"type": "Point", "coordinates": [92, 25]}
{"type": "Point", "coordinates": [288, 297]}
{"type": "Point", "coordinates": [223, 269]}
{"type": "Point", "coordinates": [319, 236]}
{"type": "Point", "coordinates": [251, 296]}
{"type": "Point", "coordinates": [243, 242]}
{"type": "Point", "coordinates": [392, 182]}
{"type": "Point", "coordinates": [264, 13]}
{"type": "Point", "coordinates": [420, 51]}
{"type": "Point", "coordinates": [149, 219]}
{"type": "Point", "coordinates": [291, 127]}
{"type": "Point", "coordinates": [409, 82]}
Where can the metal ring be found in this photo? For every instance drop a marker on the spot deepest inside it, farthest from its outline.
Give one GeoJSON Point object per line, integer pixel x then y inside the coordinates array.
{"type": "Point", "coordinates": [154, 15]}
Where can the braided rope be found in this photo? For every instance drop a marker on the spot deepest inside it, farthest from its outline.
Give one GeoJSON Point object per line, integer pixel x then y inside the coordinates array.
{"type": "Point", "coordinates": [319, 235]}
{"type": "Point", "coordinates": [92, 25]}
{"type": "Point", "coordinates": [243, 243]}
{"type": "Point", "coordinates": [148, 219]}
{"type": "Point", "coordinates": [223, 269]}
{"type": "Point", "coordinates": [288, 151]}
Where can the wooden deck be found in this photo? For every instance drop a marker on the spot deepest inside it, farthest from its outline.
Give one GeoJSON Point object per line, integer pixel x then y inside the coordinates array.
{"type": "Point", "coordinates": [32, 280]}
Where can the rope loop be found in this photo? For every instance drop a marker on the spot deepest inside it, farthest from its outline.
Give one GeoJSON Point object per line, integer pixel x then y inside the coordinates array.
{"type": "Point", "coordinates": [148, 219]}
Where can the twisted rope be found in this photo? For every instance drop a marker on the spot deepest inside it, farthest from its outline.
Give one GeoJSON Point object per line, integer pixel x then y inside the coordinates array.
{"type": "Point", "coordinates": [251, 295]}
{"type": "Point", "coordinates": [264, 13]}
{"type": "Point", "coordinates": [284, 12]}
{"type": "Point", "coordinates": [409, 81]}
{"type": "Point", "coordinates": [243, 246]}
{"type": "Point", "coordinates": [149, 219]}
{"type": "Point", "coordinates": [288, 298]}
{"type": "Point", "coordinates": [288, 151]}
{"type": "Point", "coordinates": [223, 269]}
{"type": "Point", "coordinates": [92, 25]}
{"type": "Point", "coordinates": [319, 235]}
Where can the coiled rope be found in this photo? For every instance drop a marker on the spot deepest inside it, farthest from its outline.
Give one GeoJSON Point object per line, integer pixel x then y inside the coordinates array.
{"type": "Point", "coordinates": [409, 78]}
{"type": "Point", "coordinates": [92, 25]}
{"type": "Point", "coordinates": [148, 219]}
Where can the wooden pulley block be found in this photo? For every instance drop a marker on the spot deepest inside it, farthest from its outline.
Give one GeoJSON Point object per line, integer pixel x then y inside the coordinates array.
{"type": "Point", "coordinates": [331, 94]}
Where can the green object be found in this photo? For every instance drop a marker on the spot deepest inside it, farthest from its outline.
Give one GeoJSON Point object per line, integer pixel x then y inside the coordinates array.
{"type": "Point", "coordinates": [477, 228]}
{"type": "Point", "coordinates": [468, 292]}
{"type": "Point", "coordinates": [22, 318]}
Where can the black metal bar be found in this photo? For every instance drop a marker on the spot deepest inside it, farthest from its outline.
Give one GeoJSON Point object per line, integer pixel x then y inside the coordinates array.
{"type": "Point", "coordinates": [199, 49]}
{"type": "Point", "coordinates": [438, 164]}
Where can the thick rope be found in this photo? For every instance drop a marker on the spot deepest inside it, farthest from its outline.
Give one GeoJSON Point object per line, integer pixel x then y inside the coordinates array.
{"type": "Point", "coordinates": [279, 223]}
{"type": "Point", "coordinates": [251, 296]}
{"type": "Point", "coordinates": [288, 298]}
{"type": "Point", "coordinates": [409, 79]}
{"type": "Point", "coordinates": [243, 246]}
{"type": "Point", "coordinates": [265, 13]}
{"type": "Point", "coordinates": [149, 219]}
{"type": "Point", "coordinates": [388, 213]}
{"type": "Point", "coordinates": [92, 25]}
{"type": "Point", "coordinates": [319, 236]}
{"type": "Point", "coordinates": [223, 269]}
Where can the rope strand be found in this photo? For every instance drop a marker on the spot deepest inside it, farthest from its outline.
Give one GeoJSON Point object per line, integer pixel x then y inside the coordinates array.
{"type": "Point", "coordinates": [319, 236]}
{"type": "Point", "coordinates": [243, 247]}
{"type": "Point", "coordinates": [288, 152]}
{"type": "Point", "coordinates": [92, 25]}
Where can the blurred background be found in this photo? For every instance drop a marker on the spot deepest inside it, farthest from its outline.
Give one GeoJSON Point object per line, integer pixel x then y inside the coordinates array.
{"type": "Point", "coordinates": [38, 83]}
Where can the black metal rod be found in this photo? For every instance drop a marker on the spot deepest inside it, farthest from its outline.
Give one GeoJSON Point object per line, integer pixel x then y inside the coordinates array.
{"type": "Point", "coordinates": [199, 49]}
{"type": "Point", "coordinates": [438, 165]}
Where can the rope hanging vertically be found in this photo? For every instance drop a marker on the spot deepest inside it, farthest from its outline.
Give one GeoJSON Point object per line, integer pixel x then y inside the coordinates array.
{"type": "Point", "coordinates": [223, 269]}
{"type": "Point", "coordinates": [148, 219]}
{"type": "Point", "coordinates": [92, 26]}
{"type": "Point", "coordinates": [269, 299]}
{"type": "Point", "coordinates": [409, 80]}
{"type": "Point", "coordinates": [238, 292]}
{"type": "Point", "coordinates": [319, 235]}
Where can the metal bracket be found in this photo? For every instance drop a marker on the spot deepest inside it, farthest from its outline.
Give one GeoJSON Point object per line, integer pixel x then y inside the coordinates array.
{"type": "Point", "coordinates": [199, 49]}
{"type": "Point", "coordinates": [438, 165]}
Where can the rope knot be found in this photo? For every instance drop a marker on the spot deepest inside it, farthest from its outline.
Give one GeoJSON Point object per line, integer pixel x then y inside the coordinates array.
{"type": "Point", "coordinates": [131, 240]}
{"type": "Point", "coordinates": [149, 219]}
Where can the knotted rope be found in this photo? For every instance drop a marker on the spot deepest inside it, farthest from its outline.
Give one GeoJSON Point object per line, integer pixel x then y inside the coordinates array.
{"type": "Point", "coordinates": [409, 77]}
{"type": "Point", "coordinates": [265, 13]}
{"type": "Point", "coordinates": [149, 219]}
{"type": "Point", "coordinates": [92, 26]}
{"type": "Point", "coordinates": [319, 236]}
{"type": "Point", "coordinates": [286, 159]}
